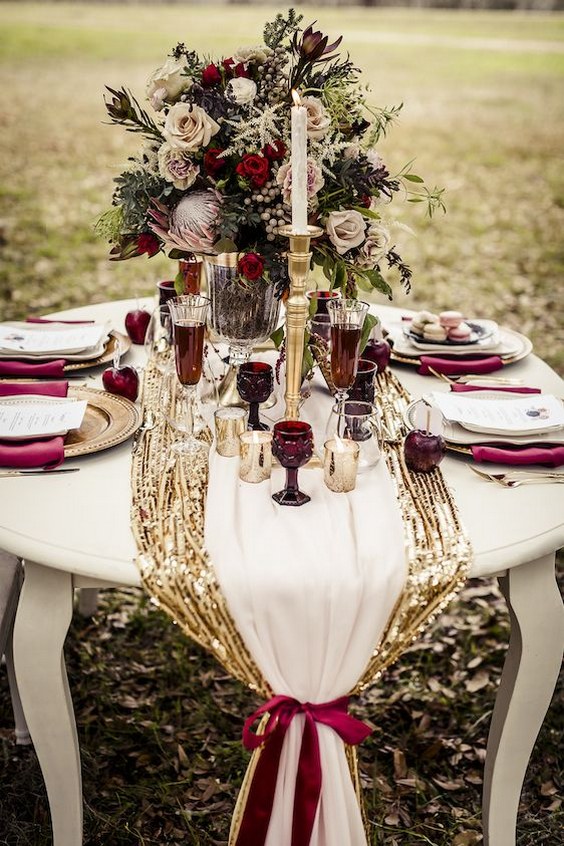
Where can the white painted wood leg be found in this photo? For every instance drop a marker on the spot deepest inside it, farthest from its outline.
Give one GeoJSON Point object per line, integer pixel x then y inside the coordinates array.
{"type": "Point", "coordinates": [529, 677]}
{"type": "Point", "coordinates": [42, 620]}
{"type": "Point", "coordinates": [22, 732]}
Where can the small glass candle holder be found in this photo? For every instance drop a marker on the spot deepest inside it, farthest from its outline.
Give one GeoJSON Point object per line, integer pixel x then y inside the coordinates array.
{"type": "Point", "coordinates": [363, 387]}
{"type": "Point", "coordinates": [230, 422]}
{"type": "Point", "coordinates": [359, 422]}
{"type": "Point", "coordinates": [256, 456]}
{"type": "Point", "coordinates": [340, 464]}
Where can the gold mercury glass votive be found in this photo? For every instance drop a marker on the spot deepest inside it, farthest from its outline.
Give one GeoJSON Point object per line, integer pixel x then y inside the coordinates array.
{"type": "Point", "coordinates": [256, 456]}
{"type": "Point", "coordinates": [340, 464]}
{"type": "Point", "coordinates": [229, 424]}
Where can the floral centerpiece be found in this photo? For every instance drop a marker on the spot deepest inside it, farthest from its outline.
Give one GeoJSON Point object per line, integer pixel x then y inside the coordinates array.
{"type": "Point", "coordinates": [214, 174]}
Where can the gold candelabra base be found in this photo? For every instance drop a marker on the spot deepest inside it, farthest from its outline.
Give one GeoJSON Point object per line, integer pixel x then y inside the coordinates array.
{"type": "Point", "coordinates": [297, 306]}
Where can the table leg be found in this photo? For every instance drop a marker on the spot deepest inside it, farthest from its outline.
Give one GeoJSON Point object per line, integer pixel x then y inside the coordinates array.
{"type": "Point", "coordinates": [42, 620]}
{"type": "Point", "coordinates": [529, 677]}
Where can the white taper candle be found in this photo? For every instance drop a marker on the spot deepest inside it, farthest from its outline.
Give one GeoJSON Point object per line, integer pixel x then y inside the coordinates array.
{"type": "Point", "coordinates": [299, 167]}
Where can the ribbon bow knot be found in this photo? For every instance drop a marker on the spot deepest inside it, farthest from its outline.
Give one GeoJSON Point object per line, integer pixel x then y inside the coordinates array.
{"type": "Point", "coordinates": [281, 711]}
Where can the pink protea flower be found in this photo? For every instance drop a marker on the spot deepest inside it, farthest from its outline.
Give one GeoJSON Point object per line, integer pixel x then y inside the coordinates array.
{"type": "Point", "coordinates": [191, 225]}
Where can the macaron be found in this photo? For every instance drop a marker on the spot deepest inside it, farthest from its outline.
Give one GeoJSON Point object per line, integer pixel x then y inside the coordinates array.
{"type": "Point", "coordinates": [450, 319]}
{"type": "Point", "coordinates": [422, 319]}
{"type": "Point", "coordinates": [434, 332]}
{"type": "Point", "coordinates": [461, 332]}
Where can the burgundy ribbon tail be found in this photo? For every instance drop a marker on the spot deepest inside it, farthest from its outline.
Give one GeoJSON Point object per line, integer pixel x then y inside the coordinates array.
{"type": "Point", "coordinates": [260, 800]}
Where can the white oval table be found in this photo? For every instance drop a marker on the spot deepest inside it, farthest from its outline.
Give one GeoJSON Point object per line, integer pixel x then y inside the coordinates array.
{"type": "Point", "coordinates": [73, 532]}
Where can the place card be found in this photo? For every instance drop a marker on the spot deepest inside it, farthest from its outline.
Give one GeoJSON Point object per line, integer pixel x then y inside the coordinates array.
{"type": "Point", "coordinates": [29, 417]}
{"type": "Point", "coordinates": [526, 414]}
{"type": "Point", "coordinates": [39, 339]}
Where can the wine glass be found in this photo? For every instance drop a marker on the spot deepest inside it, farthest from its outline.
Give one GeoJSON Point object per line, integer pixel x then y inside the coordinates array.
{"type": "Point", "coordinates": [158, 339]}
{"type": "Point", "coordinates": [363, 387]}
{"type": "Point", "coordinates": [292, 445]}
{"type": "Point", "coordinates": [347, 319]}
{"type": "Point", "coordinates": [255, 382]}
{"type": "Point", "coordinates": [321, 300]}
{"type": "Point", "coordinates": [188, 314]}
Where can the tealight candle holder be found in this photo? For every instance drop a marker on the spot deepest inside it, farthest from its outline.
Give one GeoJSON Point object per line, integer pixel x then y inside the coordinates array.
{"type": "Point", "coordinates": [340, 464]}
{"type": "Point", "coordinates": [256, 456]}
{"type": "Point", "coordinates": [230, 422]}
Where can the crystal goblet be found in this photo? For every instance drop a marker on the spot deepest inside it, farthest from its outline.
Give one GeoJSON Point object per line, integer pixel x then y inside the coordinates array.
{"type": "Point", "coordinates": [255, 382]}
{"type": "Point", "coordinates": [347, 319]}
{"type": "Point", "coordinates": [292, 445]}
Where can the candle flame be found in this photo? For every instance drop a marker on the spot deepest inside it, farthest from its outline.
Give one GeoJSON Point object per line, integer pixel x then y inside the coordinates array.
{"type": "Point", "coordinates": [296, 98]}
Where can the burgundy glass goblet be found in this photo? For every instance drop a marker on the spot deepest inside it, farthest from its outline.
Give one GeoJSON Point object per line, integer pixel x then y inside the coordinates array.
{"type": "Point", "coordinates": [363, 386]}
{"type": "Point", "coordinates": [292, 444]}
{"type": "Point", "coordinates": [321, 298]}
{"type": "Point", "coordinates": [255, 383]}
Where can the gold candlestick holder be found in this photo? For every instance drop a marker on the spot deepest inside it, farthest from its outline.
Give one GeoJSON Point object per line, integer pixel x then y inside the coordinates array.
{"type": "Point", "coordinates": [297, 306]}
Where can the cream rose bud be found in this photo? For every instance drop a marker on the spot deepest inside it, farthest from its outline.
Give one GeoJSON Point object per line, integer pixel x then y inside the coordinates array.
{"type": "Point", "coordinates": [242, 90]}
{"type": "Point", "coordinates": [175, 166]}
{"type": "Point", "coordinates": [346, 229]}
{"type": "Point", "coordinates": [171, 78]}
{"type": "Point", "coordinates": [189, 127]}
{"type": "Point", "coordinates": [377, 244]}
{"type": "Point", "coordinates": [318, 120]}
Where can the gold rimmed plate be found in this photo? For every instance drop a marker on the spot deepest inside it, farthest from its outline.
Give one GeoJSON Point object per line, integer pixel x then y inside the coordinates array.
{"type": "Point", "coordinates": [520, 345]}
{"type": "Point", "coordinates": [108, 421]}
{"type": "Point", "coordinates": [106, 357]}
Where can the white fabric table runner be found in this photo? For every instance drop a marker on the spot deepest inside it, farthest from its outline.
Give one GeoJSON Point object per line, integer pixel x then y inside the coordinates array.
{"type": "Point", "coordinates": [310, 590]}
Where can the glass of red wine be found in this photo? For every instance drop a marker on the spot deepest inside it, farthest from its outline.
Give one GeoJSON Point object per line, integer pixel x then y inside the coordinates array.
{"type": "Point", "coordinates": [292, 445]}
{"type": "Point", "coordinates": [255, 383]}
{"type": "Point", "coordinates": [321, 300]}
{"type": "Point", "coordinates": [347, 319]}
{"type": "Point", "coordinates": [188, 313]}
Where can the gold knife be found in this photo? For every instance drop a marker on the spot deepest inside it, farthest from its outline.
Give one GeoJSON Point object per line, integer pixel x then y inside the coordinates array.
{"type": "Point", "coordinates": [4, 474]}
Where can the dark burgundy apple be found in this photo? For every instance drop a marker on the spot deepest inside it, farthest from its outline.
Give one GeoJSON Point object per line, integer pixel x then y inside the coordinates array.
{"type": "Point", "coordinates": [136, 323]}
{"type": "Point", "coordinates": [122, 381]}
{"type": "Point", "coordinates": [423, 451]}
{"type": "Point", "coordinates": [379, 352]}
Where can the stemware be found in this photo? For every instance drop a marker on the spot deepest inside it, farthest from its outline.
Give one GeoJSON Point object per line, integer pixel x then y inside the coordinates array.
{"type": "Point", "coordinates": [255, 382]}
{"type": "Point", "coordinates": [292, 445]}
{"type": "Point", "coordinates": [347, 319]}
{"type": "Point", "coordinates": [363, 386]}
{"type": "Point", "coordinates": [359, 422]}
{"type": "Point", "coordinates": [158, 339]}
{"type": "Point", "coordinates": [188, 314]}
{"type": "Point", "coordinates": [320, 325]}
{"type": "Point", "coordinates": [321, 299]}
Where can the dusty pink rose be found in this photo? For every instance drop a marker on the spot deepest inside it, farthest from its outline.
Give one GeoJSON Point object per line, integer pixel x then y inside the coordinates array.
{"type": "Point", "coordinates": [315, 180]}
{"type": "Point", "coordinates": [346, 229]}
{"type": "Point", "coordinates": [177, 167]}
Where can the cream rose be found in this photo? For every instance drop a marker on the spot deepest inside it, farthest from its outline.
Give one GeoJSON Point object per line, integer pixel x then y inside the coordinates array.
{"type": "Point", "coordinates": [318, 120]}
{"type": "Point", "coordinates": [189, 127]}
{"type": "Point", "coordinates": [177, 167]}
{"type": "Point", "coordinates": [244, 55]}
{"type": "Point", "coordinates": [315, 180]}
{"type": "Point", "coordinates": [169, 78]}
{"type": "Point", "coordinates": [242, 91]}
{"type": "Point", "coordinates": [346, 229]}
{"type": "Point", "coordinates": [377, 244]}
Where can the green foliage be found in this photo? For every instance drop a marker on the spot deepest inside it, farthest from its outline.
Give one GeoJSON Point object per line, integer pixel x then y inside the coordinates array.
{"type": "Point", "coordinates": [382, 119]}
{"type": "Point", "coordinates": [124, 110]}
{"type": "Point", "coordinates": [281, 28]}
{"type": "Point", "coordinates": [110, 224]}
{"type": "Point", "coordinates": [134, 191]}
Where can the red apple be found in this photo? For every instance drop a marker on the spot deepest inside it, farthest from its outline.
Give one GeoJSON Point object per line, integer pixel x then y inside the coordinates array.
{"type": "Point", "coordinates": [379, 352]}
{"type": "Point", "coordinates": [423, 451]}
{"type": "Point", "coordinates": [136, 323]}
{"type": "Point", "coordinates": [122, 381]}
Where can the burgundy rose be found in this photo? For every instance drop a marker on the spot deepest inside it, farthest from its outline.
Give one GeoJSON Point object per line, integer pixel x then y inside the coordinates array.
{"type": "Point", "coordinates": [148, 243]}
{"type": "Point", "coordinates": [235, 69]}
{"type": "Point", "coordinates": [211, 76]}
{"type": "Point", "coordinates": [228, 64]}
{"type": "Point", "coordinates": [275, 152]}
{"type": "Point", "coordinates": [254, 168]}
{"type": "Point", "coordinates": [212, 163]}
{"type": "Point", "coordinates": [251, 266]}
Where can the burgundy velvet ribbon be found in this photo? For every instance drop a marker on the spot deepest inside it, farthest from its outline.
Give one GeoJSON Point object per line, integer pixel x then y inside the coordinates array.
{"type": "Point", "coordinates": [459, 366]}
{"type": "Point", "coordinates": [282, 710]}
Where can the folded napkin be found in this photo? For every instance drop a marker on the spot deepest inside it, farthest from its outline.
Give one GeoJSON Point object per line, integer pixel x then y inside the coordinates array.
{"type": "Point", "coordinates": [549, 456]}
{"type": "Point", "coordinates": [54, 368]}
{"type": "Point", "coordinates": [69, 322]}
{"type": "Point", "coordinates": [459, 366]}
{"type": "Point", "coordinates": [51, 389]}
{"type": "Point", "coordinates": [510, 389]}
{"type": "Point", "coordinates": [45, 453]}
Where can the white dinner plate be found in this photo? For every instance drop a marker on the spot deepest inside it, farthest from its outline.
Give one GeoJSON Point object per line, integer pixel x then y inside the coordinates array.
{"type": "Point", "coordinates": [512, 346]}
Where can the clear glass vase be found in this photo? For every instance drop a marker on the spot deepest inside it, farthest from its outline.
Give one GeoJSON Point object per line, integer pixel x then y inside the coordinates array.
{"type": "Point", "coordinates": [241, 313]}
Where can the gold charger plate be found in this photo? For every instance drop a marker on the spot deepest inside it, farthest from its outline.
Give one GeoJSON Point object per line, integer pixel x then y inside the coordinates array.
{"type": "Point", "coordinates": [107, 356]}
{"type": "Point", "coordinates": [109, 420]}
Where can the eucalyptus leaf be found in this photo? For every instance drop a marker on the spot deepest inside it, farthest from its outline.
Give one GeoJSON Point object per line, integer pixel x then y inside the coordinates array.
{"type": "Point", "coordinates": [412, 177]}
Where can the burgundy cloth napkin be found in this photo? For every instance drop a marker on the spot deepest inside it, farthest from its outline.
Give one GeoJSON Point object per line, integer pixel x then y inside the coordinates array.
{"type": "Point", "coordinates": [23, 454]}
{"type": "Point", "coordinates": [51, 389]}
{"type": "Point", "coordinates": [459, 366]}
{"type": "Point", "coordinates": [509, 389]}
{"type": "Point", "coordinates": [549, 456]}
{"type": "Point", "coordinates": [46, 320]}
{"type": "Point", "coordinates": [18, 369]}
{"type": "Point", "coordinates": [48, 452]}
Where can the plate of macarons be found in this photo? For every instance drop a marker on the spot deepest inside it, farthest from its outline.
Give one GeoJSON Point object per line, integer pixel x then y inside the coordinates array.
{"type": "Point", "coordinates": [449, 329]}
